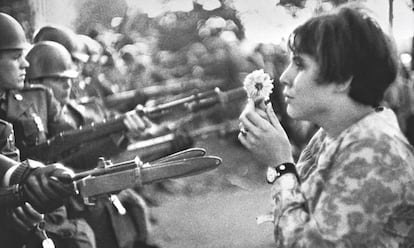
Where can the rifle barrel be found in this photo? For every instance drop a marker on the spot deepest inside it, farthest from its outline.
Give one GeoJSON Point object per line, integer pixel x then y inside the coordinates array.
{"type": "Point", "coordinates": [170, 88]}
{"type": "Point", "coordinates": [219, 97]}
{"type": "Point", "coordinates": [159, 110]}
{"type": "Point", "coordinates": [125, 165]}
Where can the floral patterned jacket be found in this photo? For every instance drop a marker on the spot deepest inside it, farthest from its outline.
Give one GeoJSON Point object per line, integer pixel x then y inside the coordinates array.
{"type": "Point", "coordinates": [357, 189]}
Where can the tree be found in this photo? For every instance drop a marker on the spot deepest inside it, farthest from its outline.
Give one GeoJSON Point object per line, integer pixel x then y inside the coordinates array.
{"type": "Point", "coordinates": [93, 13]}
{"type": "Point", "coordinates": [289, 4]}
{"type": "Point", "coordinates": [22, 11]}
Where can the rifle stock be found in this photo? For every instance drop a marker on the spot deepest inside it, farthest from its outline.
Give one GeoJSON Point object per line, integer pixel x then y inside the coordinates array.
{"type": "Point", "coordinates": [60, 146]}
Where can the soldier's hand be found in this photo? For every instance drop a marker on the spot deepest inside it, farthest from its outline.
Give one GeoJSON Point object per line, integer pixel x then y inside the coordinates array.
{"type": "Point", "coordinates": [22, 219]}
{"type": "Point", "coordinates": [47, 188]}
{"type": "Point", "coordinates": [142, 127]}
{"type": "Point", "coordinates": [135, 123]}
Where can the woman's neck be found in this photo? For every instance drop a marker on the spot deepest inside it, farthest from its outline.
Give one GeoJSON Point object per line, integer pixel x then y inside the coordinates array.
{"type": "Point", "coordinates": [343, 117]}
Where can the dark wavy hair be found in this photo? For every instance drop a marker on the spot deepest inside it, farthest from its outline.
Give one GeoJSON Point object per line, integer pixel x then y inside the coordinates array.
{"type": "Point", "coordinates": [347, 43]}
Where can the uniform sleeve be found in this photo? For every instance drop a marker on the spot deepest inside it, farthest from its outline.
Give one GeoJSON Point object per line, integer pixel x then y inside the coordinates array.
{"type": "Point", "coordinates": [354, 205]}
{"type": "Point", "coordinates": [7, 142]}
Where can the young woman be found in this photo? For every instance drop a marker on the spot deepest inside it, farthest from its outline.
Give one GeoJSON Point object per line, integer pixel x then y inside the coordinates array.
{"type": "Point", "coordinates": [353, 183]}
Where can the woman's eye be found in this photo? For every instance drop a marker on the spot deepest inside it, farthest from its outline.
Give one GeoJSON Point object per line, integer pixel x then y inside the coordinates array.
{"type": "Point", "coordinates": [298, 63]}
{"type": "Point", "coordinates": [299, 66]}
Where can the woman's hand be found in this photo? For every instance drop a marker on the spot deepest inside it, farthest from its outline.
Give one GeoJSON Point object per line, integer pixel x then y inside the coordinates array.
{"type": "Point", "coordinates": [263, 135]}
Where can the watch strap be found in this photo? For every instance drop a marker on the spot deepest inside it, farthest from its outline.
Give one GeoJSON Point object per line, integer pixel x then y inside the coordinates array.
{"type": "Point", "coordinates": [20, 173]}
{"type": "Point", "coordinates": [285, 168]}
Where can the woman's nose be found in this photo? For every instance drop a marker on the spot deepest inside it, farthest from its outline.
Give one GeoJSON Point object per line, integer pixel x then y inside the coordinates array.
{"type": "Point", "coordinates": [285, 78]}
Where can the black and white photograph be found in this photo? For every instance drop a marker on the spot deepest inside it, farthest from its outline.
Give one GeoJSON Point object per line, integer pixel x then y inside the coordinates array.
{"type": "Point", "coordinates": [206, 123]}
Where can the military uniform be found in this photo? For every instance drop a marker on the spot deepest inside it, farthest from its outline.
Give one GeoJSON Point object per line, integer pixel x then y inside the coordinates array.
{"type": "Point", "coordinates": [35, 114]}
{"type": "Point", "coordinates": [8, 148]}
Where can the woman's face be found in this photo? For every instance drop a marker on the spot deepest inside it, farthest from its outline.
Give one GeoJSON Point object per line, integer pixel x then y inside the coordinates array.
{"type": "Point", "coordinates": [305, 99]}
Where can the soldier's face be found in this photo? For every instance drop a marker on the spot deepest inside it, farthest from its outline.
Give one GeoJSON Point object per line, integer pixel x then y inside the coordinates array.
{"type": "Point", "coordinates": [12, 69]}
{"type": "Point", "coordinates": [61, 87]}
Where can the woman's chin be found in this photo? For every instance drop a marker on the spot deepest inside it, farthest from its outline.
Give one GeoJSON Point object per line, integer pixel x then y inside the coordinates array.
{"type": "Point", "coordinates": [292, 113]}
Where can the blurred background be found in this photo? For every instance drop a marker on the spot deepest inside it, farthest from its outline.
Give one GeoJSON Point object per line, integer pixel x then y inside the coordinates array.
{"type": "Point", "coordinates": [161, 50]}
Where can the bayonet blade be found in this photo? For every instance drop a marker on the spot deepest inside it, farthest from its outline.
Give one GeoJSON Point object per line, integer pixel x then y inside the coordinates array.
{"type": "Point", "coordinates": [114, 179]}
{"type": "Point", "coordinates": [178, 168]}
{"type": "Point", "coordinates": [188, 153]}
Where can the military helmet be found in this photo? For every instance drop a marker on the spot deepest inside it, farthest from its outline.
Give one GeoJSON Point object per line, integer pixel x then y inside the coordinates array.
{"type": "Point", "coordinates": [12, 33]}
{"type": "Point", "coordinates": [49, 59]}
{"type": "Point", "coordinates": [91, 47]}
{"type": "Point", "coordinates": [65, 37]}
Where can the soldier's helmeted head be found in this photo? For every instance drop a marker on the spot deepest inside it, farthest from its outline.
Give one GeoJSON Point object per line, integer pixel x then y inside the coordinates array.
{"type": "Point", "coordinates": [12, 62]}
{"type": "Point", "coordinates": [90, 47]}
{"type": "Point", "coordinates": [65, 37]}
{"type": "Point", "coordinates": [52, 66]}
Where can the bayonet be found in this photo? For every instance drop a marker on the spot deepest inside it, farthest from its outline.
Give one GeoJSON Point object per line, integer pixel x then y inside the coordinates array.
{"type": "Point", "coordinates": [113, 178]}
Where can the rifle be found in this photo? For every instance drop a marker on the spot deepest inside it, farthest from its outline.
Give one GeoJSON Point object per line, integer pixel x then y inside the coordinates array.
{"type": "Point", "coordinates": [56, 147]}
{"type": "Point", "coordinates": [111, 178]}
{"type": "Point", "coordinates": [126, 100]}
{"type": "Point", "coordinates": [157, 147]}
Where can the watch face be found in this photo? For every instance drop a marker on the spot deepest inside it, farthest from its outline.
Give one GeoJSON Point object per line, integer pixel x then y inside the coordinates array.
{"type": "Point", "coordinates": [271, 175]}
{"type": "Point", "coordinates": [288, 181]}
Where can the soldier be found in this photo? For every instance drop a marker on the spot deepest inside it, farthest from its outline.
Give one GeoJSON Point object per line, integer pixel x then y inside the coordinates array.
{"type": "Point", "coordinates": [32, 110]}
{"type": "Point", "coordinates": [65, 37]}
{"type": "Point", "coordinates": [29, 110]}
{"type": "Point", "coordinates": [84, 85]}
{"type": "Point", "coordinates": [25, 192]}
{"type": "Point", "coordinates": [51, 66]}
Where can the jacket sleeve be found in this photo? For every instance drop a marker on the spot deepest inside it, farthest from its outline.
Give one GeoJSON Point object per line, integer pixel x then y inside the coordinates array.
{"type": "Point", "coordinates": [7, 142]}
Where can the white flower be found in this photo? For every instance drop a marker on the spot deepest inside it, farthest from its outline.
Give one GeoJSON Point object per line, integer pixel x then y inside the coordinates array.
{"type": "Point", "coordinates": [258, 85]}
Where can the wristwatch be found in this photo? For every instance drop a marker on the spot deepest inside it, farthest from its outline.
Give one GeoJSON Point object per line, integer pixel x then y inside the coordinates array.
{"type": "Point", "coordinates": [273, 173]}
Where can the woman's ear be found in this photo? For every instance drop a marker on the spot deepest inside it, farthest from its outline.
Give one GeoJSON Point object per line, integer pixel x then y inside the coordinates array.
{"type": "Point", "coordinates": [343, 87]}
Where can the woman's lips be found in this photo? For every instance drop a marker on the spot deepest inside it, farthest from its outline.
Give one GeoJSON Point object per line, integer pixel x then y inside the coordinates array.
{"type": "Point", "coordinates": [288, 98]}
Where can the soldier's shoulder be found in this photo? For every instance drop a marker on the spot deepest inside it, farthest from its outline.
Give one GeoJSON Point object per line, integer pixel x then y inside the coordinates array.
{"type": "Point", "coordinates": [91, 102]}
{"type": "Point", "coordinates": [87, 100]}
{"type": "Point", "coordinates": [34, 87]}
{"type": "Point", "coordinates": [4, 123]}
{"type": "Point", "coordinates": [35, 90]}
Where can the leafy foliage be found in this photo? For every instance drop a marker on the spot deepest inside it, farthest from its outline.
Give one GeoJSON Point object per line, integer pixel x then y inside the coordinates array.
{"type": "Point", "coordinates": [95, 13]}
{"type": "Point", "coordinates": [22, 11]}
